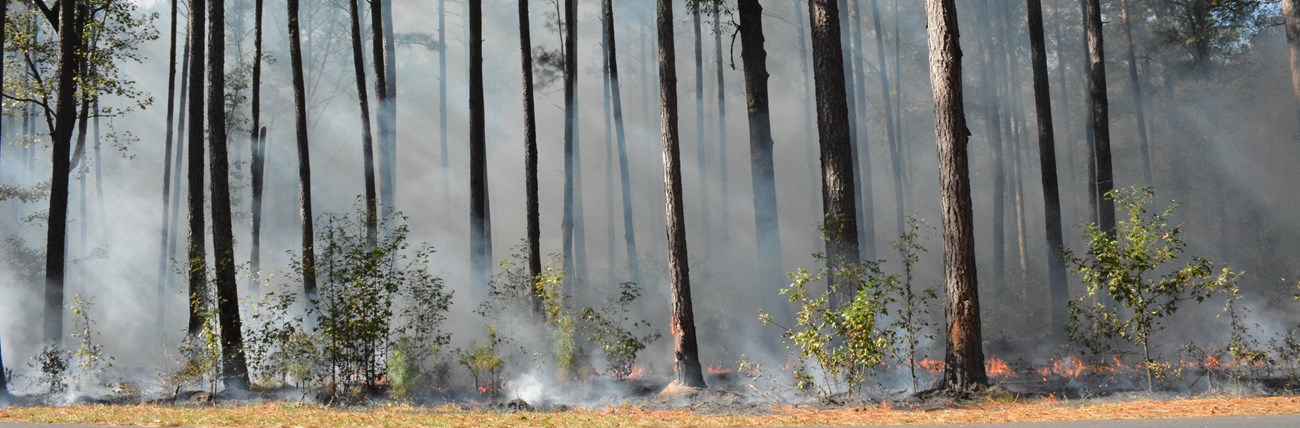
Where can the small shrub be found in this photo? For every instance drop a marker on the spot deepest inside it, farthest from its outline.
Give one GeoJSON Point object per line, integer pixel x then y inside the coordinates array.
{"type": "Point", "coordinates": [612, 329]}
{"type": "Point", "coordinates": [1134, 267]}
{"type": "Point", "coordinates": [484, 363]}
{"type": "Point", "coordinates": [838, 347]}
{"type": "Point", "coordinates": [911, 307]}
{"type": "Point", "coordinates": [52, 364]}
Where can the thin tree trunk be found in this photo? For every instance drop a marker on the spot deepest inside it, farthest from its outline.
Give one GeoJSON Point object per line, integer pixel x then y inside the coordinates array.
{"type": "Point", "coordinates": [197, 259]}
{"type": "Point", "coordinates": [989, 71]}
{"type": "Point", "coordinates": [761, 162]}
{"type": "Point", "coordinates": [61, 139]}
{"type": "Point", "coordinates": [480, 235]}
{"type": "Point", "coordinates": [1138, 105]}
{"type": "Point", "coordinates": [620, 138]}
{"type": "Point", "coordinates": [386, 93]}
{"type": "Point", "coordinates": [258, 138]}
{"type": "Point", "coordinates": [1065, 104]}
{"type": "Point", "coordinates": [234, 365]}
{"type": "Point", "coordinates": [4, 378]}
{"type": "Point", "coordinates": [1103, 180]}
{"type": "Point", "coordinates": [363, 101]}
{"type": "Point", "coordinates": [574, 236]}
{"type": "Point", "coordinates": [608, 117]}
{"type": "Point", "coordinates": [530, 153]}
{"type": "Point", "coordinates": [701, 155]}
{"type": "Point", "coordinates": [304, 154]}
{"type": "Point", "coordinates": [891, 131]}
{"type": "Point", "coordinates": [808, 95]}
{"type": "Point", "coordinates": [442, 97]}
{"type": "Point", "coordinates": [724, 192]}
{"type": "Point", "coordinates": [1291, 15]}
{"type": "Point", "coordinates": [838, 195]}
{"type": "Point", "coordinates": [859, 154]}
{"type": "Point", "coordinates": [163, 253]}
{"type": "Point", "coordinates": [1015, 120]}
{"type": "Point", "coordinates": [178, 164]}
{"type": "Point", "coordinates": [964, 357]}
{"type": "Point", "coordinates": [685, 349]}
{"type": "Point", "coordinates": [382, 55]}
{"type": "Point", "coordinates": [1057, 285]}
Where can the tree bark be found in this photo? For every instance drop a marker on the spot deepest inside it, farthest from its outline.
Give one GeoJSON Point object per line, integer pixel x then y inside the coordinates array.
{"type": "Point", "coordinates": [197, 262]}
{"type": "Point", "coordinates": [258, 157]}
{"type": "Point", "coordinates": [530, 154]}
{"type": "Point", "coordinates": [620, 138]}
{"type": "Point", "coordinates": [761, 161]}
{"type": "Point", "coordinates": [480, 236]}
{"type": "Point", "coordinates": [163, 253]}
{"type": "Point", "coordinates": [1138, 105]}
{"type": "Point", "coordinates": [1103, 181]}
{"type": "Point", "coordinates": [61, 139]}
{"type": "Point", "coordinates": [686, 356]}
{"type": "Point", "coordinates": [304, 154]}
{"type": "Point", "coordinates": [859, 151]}
{"type": "Point", "coordinates": [1057, 281]}
{"type": "Point", "coordinates": [363, 101]}
{"type": "Point", "coordinates": [382, 56]}
{"type": "Point", "coordinates": [1291, 15]}
{"type": "Point", "coordinates": [234, 365]}
{"type": "Point", "coordinates": [838, 195]}
{"type": "Point", "coordinates": [964, 358]}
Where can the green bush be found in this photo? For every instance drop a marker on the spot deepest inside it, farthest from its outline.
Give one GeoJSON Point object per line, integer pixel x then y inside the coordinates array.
{"type": "Point", "coordinates": [611, 328]}
{"type": "Point", "coordinates": [838, 347]}
{"type": "Point", "coordinates": [1134, 280]}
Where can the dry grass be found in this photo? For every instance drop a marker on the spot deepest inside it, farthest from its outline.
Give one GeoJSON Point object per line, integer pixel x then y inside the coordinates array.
{"type": "Point", "coordinates": [988, 411]}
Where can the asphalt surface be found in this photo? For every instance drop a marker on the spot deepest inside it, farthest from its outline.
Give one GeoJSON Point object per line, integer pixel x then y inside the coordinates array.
{"type": "Point", "coordinates": [1289, 421]}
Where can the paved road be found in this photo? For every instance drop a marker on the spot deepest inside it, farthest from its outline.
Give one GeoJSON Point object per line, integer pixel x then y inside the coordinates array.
{"type": "Point", "coordinates": [1291, 421]}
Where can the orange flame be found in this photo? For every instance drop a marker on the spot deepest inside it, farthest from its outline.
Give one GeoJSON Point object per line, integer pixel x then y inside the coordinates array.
{"type": "Point", "coordinates": [1210, 361]}
{"type": "Point", "coordinates": [720, 370]}
{"type": "Point", "coordinates": [932, 366]}
{"type": "Point", "coordinates": [998, 367]}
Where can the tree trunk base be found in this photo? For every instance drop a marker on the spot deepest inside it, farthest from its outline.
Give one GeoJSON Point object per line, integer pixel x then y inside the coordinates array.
{"type": "Point", "coordinates": [678, 390]}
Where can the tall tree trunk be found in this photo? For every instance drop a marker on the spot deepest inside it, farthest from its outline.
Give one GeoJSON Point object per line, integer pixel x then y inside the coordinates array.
{"type": "Point", "coordinates": [1291, 14]}
{"type": "Point", "coordinates": [859, 151]}
{"type": "Point", "coordinates": [724, 191]}
{"type": "Point", "coordinates": [178, 163]}
{"type": "Point", "coordinates": [61, 139]}
{"type": "Point", "coordinates": [1138, 105]}
{"type": "Point", "coordinates": [702, 155]}
{"type": "Point", "coordinates": [1057, 281]}
{"type": "Point", "coordinates": [575, 247]}
{"type": "Point", "coordinates": [840, 225]}
{"type": "Point", "coordinates": [304, 154]}
{"type": "Point", "coordinates": [163, 253]}
{"type": "Point", "coordinates": [1067, 122]}
{"type": "Point", "coordinates": [363, 101]}
{"type": "Point", "coordinates": [4, 378]}
{"type": "Point", "coordinates": [808, 95]}
{"type": "Point", "coordinates": [480, 235]}
{"type": "Point", "coordinates": [761, 161]}
{"type": "Point", "coordinates": [1103, 180]}
{"type": "Point", "coordinates": [234, 366]}
{"type": "Point", "coordinates": [197, 255]}
{"type": "Point", "coordinates": [258, 138]}
{"type": "Point", "coordinates": [891, 125]}
{"type": "Point", "coordinates": [620, 138]}
{"type": "Point", "coordinates": [964, 357]}
{"type": "Point", "coordinates": [530, 154]}
{"type": "Point", "coordinates": [686, 354]}
{"type": "Point", "coordinates": [442, 97]}
{"type": "Point", "coordinates": [382, 56]}
{"type": "Point", "coordinates": [989, 71]}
